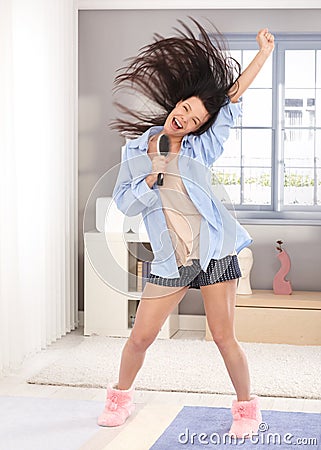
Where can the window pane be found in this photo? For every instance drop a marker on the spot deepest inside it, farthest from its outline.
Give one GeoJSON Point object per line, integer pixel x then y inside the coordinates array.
{"type": "Point", "coordinates": [230, 179]}
{"type": "Point", "coordinates": [232, 150]}
{"type": "Point", "coordinates": [264, 77]}
{"type": "Point", "coordinates": [257, 186]}
{"type": "Point", "coordinates": [299, 68]}
{"type": "Point", "coordinates": [318, 108]}
{"type": "Point", "coordinates": [298, 187]}
{"type": "Point", "coordinates": [299, 148]}
{"type": "Point", "coordinates": [299, 108]}
{"type": "Point", "coordinates": [318, 84]}
{"type": "Point", "coordinates": [319, 187]}
{"type": "Point", "coordinates": [236, 54]}
{"type": "Point", "coordinates": [256, 148]}
{"type": "Point", "coordinates": [257, 108]}
{"type": "Point", "coordinates": [318, 147]}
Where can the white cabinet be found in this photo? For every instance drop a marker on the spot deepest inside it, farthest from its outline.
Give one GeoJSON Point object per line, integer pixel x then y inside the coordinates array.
{"type": "Point", "coordinates": [110, 291]}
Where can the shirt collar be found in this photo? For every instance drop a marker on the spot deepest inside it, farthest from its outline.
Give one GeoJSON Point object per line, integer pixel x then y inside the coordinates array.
{"type": "Point", "coordinates": [142, 141]}
{"type": "Point", "coordinates": [185, 140]}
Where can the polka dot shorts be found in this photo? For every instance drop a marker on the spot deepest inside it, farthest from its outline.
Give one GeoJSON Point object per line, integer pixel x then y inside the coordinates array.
{"type": "Point", "coordinates": [218, 270]}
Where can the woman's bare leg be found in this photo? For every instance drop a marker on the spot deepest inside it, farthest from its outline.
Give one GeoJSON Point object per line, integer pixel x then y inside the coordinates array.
{"type": "Point", "coordinates": [156, 303]}
{"type": "Point", "coordinates": [219, 303]}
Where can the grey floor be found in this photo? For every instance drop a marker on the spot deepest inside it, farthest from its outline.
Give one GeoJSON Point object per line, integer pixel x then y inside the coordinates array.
{"type": "Point", "coordinates": [154, 410]}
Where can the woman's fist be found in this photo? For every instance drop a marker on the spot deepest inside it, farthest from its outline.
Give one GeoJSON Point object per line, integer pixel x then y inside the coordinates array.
{"type": "Point", "coordinates": [159, 164]}
{"type": "Point", "coordinates": [265, 39]}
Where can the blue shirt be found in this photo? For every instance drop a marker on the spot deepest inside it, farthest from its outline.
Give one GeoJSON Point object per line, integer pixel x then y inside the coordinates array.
{"type": "Point", "coordinates": [220, 233]}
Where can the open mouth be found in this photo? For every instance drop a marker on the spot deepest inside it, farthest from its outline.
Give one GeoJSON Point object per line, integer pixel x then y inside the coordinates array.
{"type": "Point", "coordinates": [176, 124]}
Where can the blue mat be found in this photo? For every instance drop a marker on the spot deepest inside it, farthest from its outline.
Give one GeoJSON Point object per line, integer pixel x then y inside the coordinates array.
{"type": "Point", "coordinates": [278, 430]}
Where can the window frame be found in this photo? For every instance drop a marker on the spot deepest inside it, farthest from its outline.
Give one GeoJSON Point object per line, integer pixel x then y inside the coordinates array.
{"type": "Point", "coordinates": [277, 212]}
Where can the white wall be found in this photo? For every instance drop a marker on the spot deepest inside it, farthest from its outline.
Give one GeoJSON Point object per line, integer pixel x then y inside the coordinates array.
{"type": "Point", "coordinates": [106, 38]}
{"type": "Point", "coordinates": [303, 244]}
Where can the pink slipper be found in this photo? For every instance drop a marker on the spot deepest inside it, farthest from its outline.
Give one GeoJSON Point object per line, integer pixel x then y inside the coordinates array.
{"type": "Point", "coordinates": [246, 417]}
{"type": "Point", "coordinates": [119, 405]}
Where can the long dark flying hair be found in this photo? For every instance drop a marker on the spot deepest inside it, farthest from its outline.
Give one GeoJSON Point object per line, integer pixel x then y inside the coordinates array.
{"type": "Point", "coordinates": [173, 69]}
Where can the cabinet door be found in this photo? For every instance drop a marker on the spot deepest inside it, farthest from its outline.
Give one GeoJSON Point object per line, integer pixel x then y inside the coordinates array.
{"type": "Point", "coordinates": [108, 257]}
{"type": "Point", "coordinates": [105, 288]}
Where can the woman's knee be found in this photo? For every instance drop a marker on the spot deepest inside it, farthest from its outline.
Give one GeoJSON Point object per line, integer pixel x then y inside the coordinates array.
{"type": "Point", "coordinates": [223, 339]}
{"type": "Point", "coordinates": [141, 342]}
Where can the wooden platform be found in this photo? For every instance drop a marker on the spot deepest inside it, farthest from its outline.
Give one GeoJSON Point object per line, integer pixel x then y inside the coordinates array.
{"type": "Point", "coordinates": [283, 319]}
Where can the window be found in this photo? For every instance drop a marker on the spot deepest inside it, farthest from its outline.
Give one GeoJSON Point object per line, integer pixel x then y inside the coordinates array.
{"type": "Point", "coordinates": [271, 166]}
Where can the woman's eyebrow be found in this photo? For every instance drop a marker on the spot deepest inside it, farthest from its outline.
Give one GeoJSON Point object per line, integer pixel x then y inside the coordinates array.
{"type": "Point", "coordinates": [191, 110]}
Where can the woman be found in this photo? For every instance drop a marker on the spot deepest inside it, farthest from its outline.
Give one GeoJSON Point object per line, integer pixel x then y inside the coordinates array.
{"type": "Point", "coordinates": [196, 88]}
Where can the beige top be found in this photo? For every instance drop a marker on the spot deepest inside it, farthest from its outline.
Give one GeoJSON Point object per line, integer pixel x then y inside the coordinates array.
{"type": "Point", "coordinates": [182, 218]}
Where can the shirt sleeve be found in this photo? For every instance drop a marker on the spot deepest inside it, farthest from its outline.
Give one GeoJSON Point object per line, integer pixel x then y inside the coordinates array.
{"type": "Point", "coordinates": [212, 140]}
{"type": "Point", "coordinates": [132, 194]}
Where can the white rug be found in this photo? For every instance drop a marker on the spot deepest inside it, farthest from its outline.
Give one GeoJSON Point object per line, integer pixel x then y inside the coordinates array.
{"type": "Point", "coordinates": [184, 365]}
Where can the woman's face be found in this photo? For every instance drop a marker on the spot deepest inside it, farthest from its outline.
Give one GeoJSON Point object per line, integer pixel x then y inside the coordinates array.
{"type": "Point", "coordinates": [187, 116]}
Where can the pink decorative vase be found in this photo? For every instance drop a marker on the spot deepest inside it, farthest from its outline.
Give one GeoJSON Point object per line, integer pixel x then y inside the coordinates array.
{"type": "Point", "coordinates": [280, 285]}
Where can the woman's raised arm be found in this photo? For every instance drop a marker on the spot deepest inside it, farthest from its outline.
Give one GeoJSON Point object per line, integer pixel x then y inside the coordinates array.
{"type": "Point", "coordinates": [266, 43]}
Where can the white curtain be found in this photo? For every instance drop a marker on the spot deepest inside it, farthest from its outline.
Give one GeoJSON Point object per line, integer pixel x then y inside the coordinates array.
{"type": "Point", "coordinates": [38, 195]}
